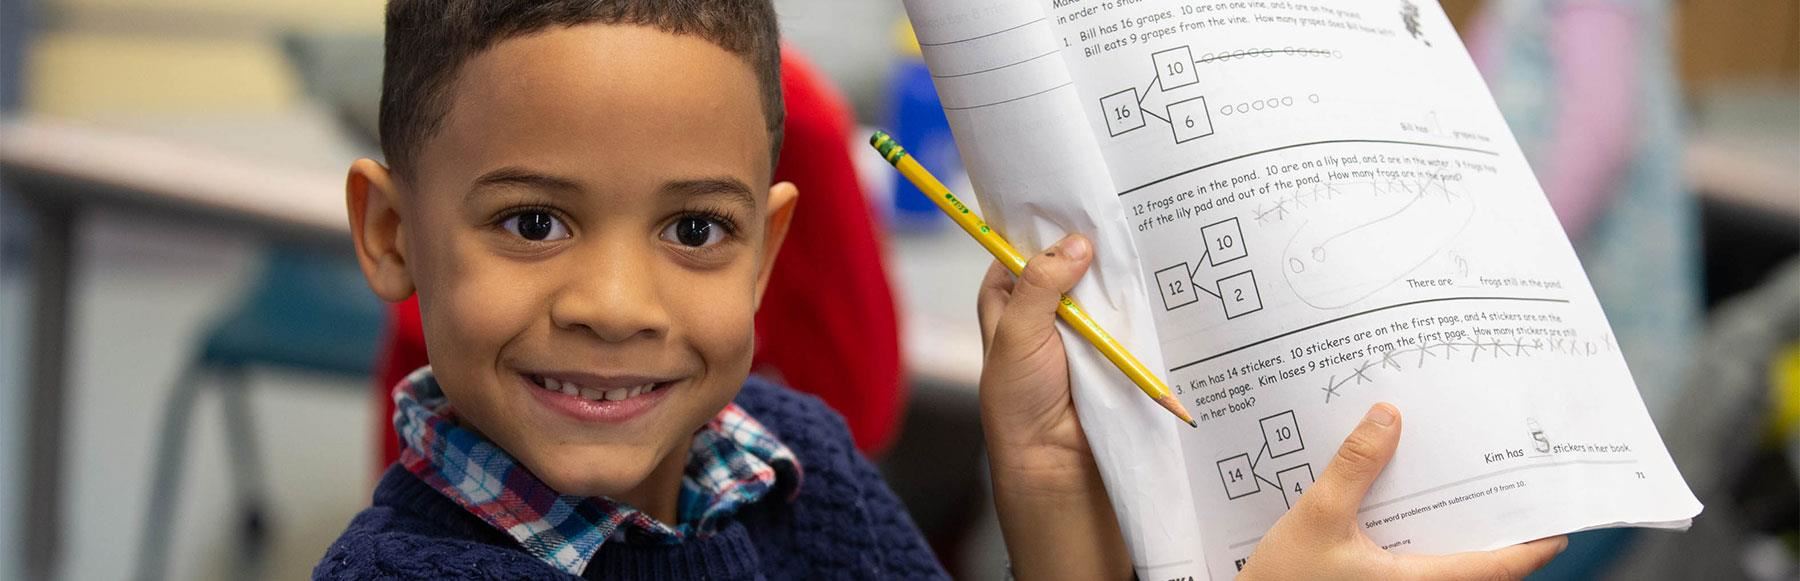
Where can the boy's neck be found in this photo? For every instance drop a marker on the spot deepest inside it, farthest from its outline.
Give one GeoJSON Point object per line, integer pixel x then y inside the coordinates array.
{"type": "Point", "coordinates": [659, 495]}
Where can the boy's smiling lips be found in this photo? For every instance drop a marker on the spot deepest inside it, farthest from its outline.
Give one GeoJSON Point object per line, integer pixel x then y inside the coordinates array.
{"type": "Point", "coordinates": [595, 398]}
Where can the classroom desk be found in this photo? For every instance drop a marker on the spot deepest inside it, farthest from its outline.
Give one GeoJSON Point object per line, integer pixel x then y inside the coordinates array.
{"type": "Point", "coordinates": [60, 169]}
{"type": "Point", "coordinates": [282, 177]}
{"type": "Point", "coordinates": [1759, 173]}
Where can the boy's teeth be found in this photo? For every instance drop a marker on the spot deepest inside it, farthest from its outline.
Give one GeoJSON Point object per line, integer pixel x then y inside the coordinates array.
{"type": "Point", "coordinates": [592, 394]}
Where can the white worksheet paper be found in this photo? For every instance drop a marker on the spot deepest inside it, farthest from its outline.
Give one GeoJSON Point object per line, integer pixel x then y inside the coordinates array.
{"type": "Point", "coordinates": [1301, 209]}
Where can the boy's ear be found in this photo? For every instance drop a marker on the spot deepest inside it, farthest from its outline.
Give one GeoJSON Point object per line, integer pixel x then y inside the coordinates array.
{"type": "Point", "coordinates": [782, 198]}
{"type": "Point", "coordinates": [375, 226]}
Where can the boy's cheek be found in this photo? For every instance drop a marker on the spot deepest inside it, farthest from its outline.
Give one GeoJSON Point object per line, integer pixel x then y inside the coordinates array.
{"type": "Point", "coordinates": [469, 316]}
{"type": "Point", "coordinates": [480, 292]}
{"type": "Point", "coordinates": [723, 326]}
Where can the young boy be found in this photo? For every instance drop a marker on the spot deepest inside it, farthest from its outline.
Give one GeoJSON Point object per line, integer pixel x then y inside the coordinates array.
{"type": "Point", "coordinates": [578, 194]}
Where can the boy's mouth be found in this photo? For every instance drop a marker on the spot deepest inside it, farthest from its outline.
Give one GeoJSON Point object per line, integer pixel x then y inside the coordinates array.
{"type": "Point", "coordinates": [595, 398]}
{"type": "Point", "coordinates": [572, 387]}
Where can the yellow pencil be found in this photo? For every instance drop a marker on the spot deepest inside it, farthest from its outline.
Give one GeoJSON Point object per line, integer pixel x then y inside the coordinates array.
{"type": "Point", "coordinates": [1070, 312]}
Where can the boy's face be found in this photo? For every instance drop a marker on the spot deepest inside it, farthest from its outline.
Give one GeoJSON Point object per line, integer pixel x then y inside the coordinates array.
{"type": "Point", "coordinates": [592, 217]}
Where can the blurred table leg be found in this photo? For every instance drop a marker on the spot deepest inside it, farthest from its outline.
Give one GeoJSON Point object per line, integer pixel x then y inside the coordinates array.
{"type": "Point", "coordinates": [46, 385]}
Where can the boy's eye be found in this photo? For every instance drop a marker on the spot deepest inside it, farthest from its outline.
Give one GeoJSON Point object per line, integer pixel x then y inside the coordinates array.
{"type": "Point", "coordinates": [536, 226]}
{"type": "Point", "coordinates": [694, 231]}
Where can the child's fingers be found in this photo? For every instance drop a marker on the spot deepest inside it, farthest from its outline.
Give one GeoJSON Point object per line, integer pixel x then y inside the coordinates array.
{"type": "Point", "coordinates": [1030, 310]}
{"type": "Point", "coordinates": [1334, 498]}
{"type": "Point", "coordinates": [991, 301]}
{"type": "Point", "coordinates": [1514, 562]}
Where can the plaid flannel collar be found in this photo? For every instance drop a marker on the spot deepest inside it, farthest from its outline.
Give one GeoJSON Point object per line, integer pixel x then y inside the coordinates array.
{"type": "Point", "coordinates": [734, 462]}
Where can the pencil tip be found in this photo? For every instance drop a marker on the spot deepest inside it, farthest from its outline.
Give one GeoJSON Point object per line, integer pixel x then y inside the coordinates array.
{"type": "Point", "coordinates": [1174, 406]}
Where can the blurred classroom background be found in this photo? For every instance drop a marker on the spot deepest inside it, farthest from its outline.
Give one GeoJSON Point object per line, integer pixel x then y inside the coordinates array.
{"type": "Point", "coordinates": [171, 198]}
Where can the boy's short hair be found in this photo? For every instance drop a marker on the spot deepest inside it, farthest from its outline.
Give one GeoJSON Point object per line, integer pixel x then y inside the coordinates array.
{"type": "Point", "coordinates": [428, 41]}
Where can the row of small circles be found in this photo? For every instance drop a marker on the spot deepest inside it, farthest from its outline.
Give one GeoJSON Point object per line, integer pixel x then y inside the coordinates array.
{"type": "Point", "coordinates": [1269, 52]}
{"type": "Point", "coordinates": [1261, 104]}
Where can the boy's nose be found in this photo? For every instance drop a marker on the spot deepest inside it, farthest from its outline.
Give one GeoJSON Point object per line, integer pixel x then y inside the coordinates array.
{"type": "Point", "coordinates": [616, 302]}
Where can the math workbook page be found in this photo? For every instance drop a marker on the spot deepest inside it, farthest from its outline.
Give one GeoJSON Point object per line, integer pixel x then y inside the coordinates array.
{"type": "Point", "coordinates": [1330, 212]}
{"type": "Point", "coordinates": [999, 68]}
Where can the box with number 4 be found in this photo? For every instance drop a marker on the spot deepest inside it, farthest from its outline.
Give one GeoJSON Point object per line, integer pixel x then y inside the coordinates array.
{"type": "Point", "coordinates": [1294, 482]}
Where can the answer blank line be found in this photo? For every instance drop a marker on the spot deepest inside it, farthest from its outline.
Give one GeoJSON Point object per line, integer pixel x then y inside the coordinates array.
{"type": "Point", "coordinates": [1009, 100]}
{"type": "Point", "coordinates": [1226, 56]}
{"type": "Point", "coordinates": [950, 42]}
{"type": "Point", "coordinates": [1354, 315]}
{"type": "Point", "coordinates": [995, 68]}
{"type": "Point", "coordinates": [1308, 144]}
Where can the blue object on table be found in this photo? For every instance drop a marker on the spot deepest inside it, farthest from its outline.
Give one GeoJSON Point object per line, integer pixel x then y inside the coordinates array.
{"type": "Point", "coordinates": [918, 122]}
{"type": "Point", "coordinates": [310, 311]}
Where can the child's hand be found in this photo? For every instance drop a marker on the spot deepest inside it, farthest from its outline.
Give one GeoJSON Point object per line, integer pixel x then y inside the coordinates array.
{"type": "Point", "coordinates": [1054, 513]}
{"type": "Point", "coordinates": [1319, 538]}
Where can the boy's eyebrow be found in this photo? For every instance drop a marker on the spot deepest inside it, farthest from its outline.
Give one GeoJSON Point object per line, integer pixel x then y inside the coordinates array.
{"type": "Point", "coordinates": [514, 176]}
{"type": "Point", "coordinates": [730, 188]}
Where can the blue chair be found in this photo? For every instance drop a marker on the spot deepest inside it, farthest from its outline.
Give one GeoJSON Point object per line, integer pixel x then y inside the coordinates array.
{"type": "Point", "coordinates": [310, 310]}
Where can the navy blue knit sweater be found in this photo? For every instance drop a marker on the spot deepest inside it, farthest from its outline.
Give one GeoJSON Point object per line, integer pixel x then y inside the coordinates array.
{"type": "Point", "coordinates": [844, 524]}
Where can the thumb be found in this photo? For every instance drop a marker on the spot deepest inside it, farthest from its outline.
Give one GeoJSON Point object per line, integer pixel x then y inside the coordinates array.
{"type": "Point", "coordinates": [1030, 312]}
{"type": "Point", "coordinates": [1340, 489]}
{"type": "Point", "coordinates": [1514, 562]}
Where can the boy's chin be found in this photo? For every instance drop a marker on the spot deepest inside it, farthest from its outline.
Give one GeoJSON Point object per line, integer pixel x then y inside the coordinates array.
{"type": "Point", "coordinates": [610, 471]}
